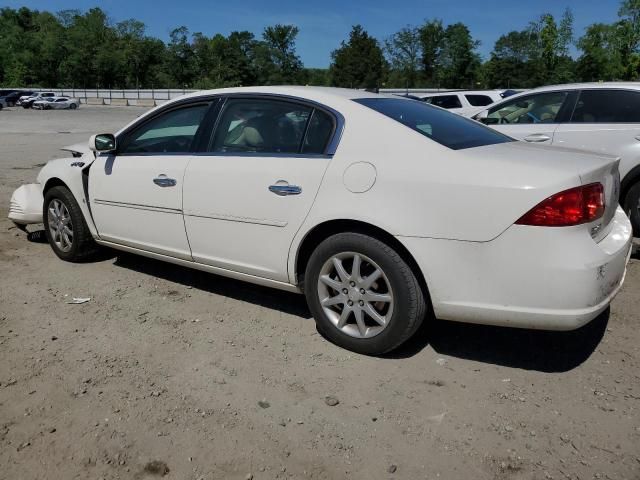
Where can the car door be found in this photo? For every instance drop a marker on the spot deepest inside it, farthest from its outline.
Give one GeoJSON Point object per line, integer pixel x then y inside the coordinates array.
{"type": "Point", "coordinates": [136, 193]}
{"type": "Point", "coordinates": [246, 197]}
{"type": "Point", "coordinates": [532, 118]}
{"type": "Point", "coordinates": [605, 121]}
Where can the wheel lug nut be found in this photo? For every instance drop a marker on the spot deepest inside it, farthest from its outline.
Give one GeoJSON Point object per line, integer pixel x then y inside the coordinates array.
{"type": "Point", "coordinates": [345, 291]}
{"type": "Point", "coordinates": [350, 303]}
{"type": "Point", "coordinates": [361, 303]}
{"type": "Point", "coordinates": [353, 284]}
{"type": "Point", "coordinates": [362, 291]}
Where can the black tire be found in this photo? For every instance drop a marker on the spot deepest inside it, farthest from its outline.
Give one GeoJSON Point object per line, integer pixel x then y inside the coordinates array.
{"type": "Point", "coordinates": [73, 106]}
{"type": "Point", "coordinates": [83, 247]}
{"type": "Point", "coordinates": [409, 304]}
{"type": "Point", "coordinates": [632, 207]}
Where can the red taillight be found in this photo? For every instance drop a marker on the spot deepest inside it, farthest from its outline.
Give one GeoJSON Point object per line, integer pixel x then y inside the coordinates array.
{"type": "Point", "coordinates": [572, 207]}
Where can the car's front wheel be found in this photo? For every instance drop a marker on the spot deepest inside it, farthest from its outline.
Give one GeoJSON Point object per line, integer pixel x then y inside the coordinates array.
{"type": "Point", "coordinates": [65, 227]}
{"type": "Point", "coordinates": [363, 294]}
{"type": "Point", "coordinates": [632, 207]}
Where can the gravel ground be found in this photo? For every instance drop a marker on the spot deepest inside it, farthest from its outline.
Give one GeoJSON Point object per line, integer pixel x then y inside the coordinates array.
{"type": "Point", "coordinates": [176, 373]}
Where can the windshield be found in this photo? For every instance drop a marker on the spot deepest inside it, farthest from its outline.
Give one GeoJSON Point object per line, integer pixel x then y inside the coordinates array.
{"type": "Point", "coordinates": [446, 128]}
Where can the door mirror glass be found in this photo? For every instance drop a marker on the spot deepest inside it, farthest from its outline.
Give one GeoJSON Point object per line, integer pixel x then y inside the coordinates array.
{"type": "Point", "coordinates": [103, 142]}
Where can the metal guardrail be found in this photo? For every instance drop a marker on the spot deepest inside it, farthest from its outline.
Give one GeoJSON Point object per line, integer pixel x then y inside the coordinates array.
{"type": "Point", "coordinates": [152, 96]}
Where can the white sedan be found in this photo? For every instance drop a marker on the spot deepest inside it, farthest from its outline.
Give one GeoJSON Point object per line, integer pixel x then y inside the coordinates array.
{"type": "Point", "coordinates": [600, 117]}
{"type": "Point", "coordinates": [383, 211]}
{"type": "Point", "coordinates": [56, 103]}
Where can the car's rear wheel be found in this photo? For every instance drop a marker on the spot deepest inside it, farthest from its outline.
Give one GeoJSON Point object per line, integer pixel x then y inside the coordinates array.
{"type": "Point", "coordinates": [73, 106]}
{"type": "Point", "coordinates": [65, 227]}
{"type": "Point", "coordinates": [632, 207]}
{"type": "Point", "coordinates": [362, 293]}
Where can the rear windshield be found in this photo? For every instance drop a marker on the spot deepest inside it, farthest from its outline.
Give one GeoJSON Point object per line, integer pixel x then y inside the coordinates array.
{"type": "Point", "coordinates": [446, 128]}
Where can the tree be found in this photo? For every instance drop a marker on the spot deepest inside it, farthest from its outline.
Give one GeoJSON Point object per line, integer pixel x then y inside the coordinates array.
{"type": "Point", "coordinates": [180, 59]}
{"type": "Point", "coordinates": [600, 59]}
{"type": "Point", "coordinates": [404, 51]}
{"type": "Point", "coordinates": [513, 62]}
{"type": "Point", "coordinates": [279, 54]}
{"type": "Point", "coordinates": [431, 43]}
{"type": "Point", "coordinates": [358, 63]}
{"type": "Point", "coordinates": [459, 62]}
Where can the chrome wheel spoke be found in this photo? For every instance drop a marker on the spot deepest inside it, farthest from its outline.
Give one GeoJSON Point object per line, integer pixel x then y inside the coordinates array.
{"type": "Point", "coordinates": [371, 279]}
{"type": "Point", "coordinates": [344, 316]}
{"type": "Point", "coordinates": [342, 273]}
{"type": "Point", "coordinates": [373, 313]}
{"type": "Point", "coordinates": [327, 280]}
{"type": "Point", "coordinates": [377, 297]}
{"type": "Point", "coordinates": [355, 269]}
{"type": "Point", "coordinates": [362, 327]}
{"type": "Point", "coordinates": [338, 299]}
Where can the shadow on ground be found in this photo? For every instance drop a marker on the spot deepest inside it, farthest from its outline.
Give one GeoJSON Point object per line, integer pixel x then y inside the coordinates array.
{"type": "Point", "coordinates": [511, 347]}
{"type": "Point", "coordinates": [286, 302]}
{"type": "Point", "coordinates": [543, 351]}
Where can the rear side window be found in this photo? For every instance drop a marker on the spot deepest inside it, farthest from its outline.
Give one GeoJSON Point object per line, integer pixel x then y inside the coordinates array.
{"type": "Point", "coordinates": [445, 101]}
{"type": "Point", "coordinates": [479, 100]}
{"type": "Point", "coordinates": [318, 133]}
{"type": "Point", "coordinates": [448, 129]}
{"type": "Point", "coordinates": [261, 126]}
{"type": "Point", "coordinates": [607, 106]}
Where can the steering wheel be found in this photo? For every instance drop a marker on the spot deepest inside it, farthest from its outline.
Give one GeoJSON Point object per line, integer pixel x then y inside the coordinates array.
{"type": "Point", "coordinates": [503, 120]}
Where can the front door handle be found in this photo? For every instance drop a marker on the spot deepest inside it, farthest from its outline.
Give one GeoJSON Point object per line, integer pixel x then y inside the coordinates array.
{"type": "Point", "coordinates": [537, 138]}
{"type": "Point", "coordinates": [282, 188]}
{"type": "Point", "coordinates": [163, 181]}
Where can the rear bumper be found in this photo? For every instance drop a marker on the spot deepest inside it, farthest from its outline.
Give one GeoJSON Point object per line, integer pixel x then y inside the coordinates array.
{"type": "Point", "coordinates": [26, 204]}
{"type": "Point", "coordinates": [528, 277]}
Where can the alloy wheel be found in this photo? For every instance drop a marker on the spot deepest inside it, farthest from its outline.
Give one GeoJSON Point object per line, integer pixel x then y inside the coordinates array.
{"type": "Point", "coordinates": [355, 294]}
{"type": "Point", "coordinates": [60, 225]}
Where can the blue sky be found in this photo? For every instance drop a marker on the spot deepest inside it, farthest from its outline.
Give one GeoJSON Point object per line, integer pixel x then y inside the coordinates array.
{"type": "Point", "coordinates": [324, 24]}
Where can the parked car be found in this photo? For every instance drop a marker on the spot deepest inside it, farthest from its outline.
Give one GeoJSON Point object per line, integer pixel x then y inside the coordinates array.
{"type": "Point", "coordinates": [383, 211]}
{"type": "Point", "coordinates": [11, 99]}
{"type": "Point", "coordinates": [27, 101]}
{"type": "Point", "coordinates": [600, 117]}
{"type": "Point", "coordinates": [463, 102]}
{"type": "Point", "coordinates": [56, 103]}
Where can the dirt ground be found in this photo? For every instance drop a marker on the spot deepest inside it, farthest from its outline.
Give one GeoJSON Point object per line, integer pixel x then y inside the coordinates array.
{"type": "Point", "coordinates": [176, 373]}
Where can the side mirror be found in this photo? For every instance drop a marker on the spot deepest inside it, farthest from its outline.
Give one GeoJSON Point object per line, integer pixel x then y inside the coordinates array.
{"type": "Point", "coordinates": [102, 142]}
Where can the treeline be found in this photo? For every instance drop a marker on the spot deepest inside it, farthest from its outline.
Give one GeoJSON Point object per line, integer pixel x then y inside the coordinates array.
{"type": "Point", "coordinates": [85, 49]}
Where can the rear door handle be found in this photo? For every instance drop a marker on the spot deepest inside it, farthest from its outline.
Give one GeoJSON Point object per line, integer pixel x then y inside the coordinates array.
{"type": "Point", "coordinates": [282, 188]}
{"type": "Point", "coordinates": [537, 138]}
{"type": "Point", "coordinates": [163, 181]}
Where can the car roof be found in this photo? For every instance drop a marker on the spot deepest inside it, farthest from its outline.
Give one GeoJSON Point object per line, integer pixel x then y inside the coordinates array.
{"type": "Point", "coordinates": [463, 92]}
{"type": "Point", "coordinates": [590, 85]}
{"type": "Point", "coordinates": [324, 95]}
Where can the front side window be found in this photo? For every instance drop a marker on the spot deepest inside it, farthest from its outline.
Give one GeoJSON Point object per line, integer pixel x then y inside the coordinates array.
{"type": "Point", "coordinates": [607, 106]}
{"type": "Point", "coordinates": [170, 132]}
{"type": "Point", "coordinates": [538, 108]}
{"type": "Point", "coordinates": [479, 100]}
{"type": "Point", "coordinates": [446, 128]}
{"type": "Point", "coordinates": [261, 125]}
{"type": "Point", "coordinates": [445, 101]}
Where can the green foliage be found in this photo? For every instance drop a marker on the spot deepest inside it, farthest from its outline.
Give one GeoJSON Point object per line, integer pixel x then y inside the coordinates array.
{"type": "Point", "coordinates": [84, 49]}
{"type": "Point", "coordinates": [358, 63]}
